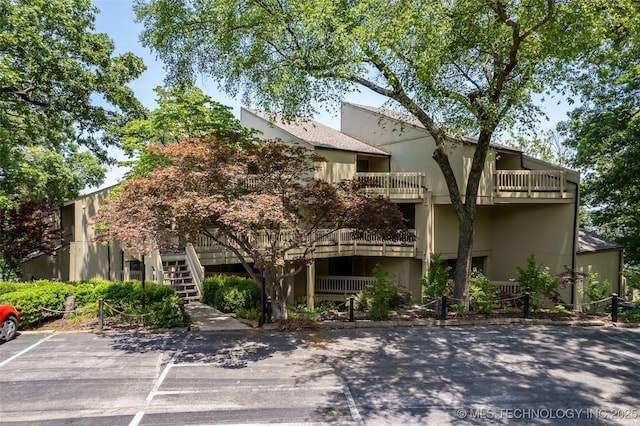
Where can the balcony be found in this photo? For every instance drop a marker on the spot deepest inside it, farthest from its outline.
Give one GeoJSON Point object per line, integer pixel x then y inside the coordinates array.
{"type": "Point", "coordinates": [531, 184]}
{"type": "Point", "coordinates": [326, 243]}
{"type": "Point", "coordinates": [395, 186]}
{"type": "Point", "coordinates": [339, 288]}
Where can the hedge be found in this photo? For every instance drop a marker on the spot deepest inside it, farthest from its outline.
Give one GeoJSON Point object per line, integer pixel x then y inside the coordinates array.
{"type": "Point", "coordinates": [230, 293]}
{"type": "Point", "coordinates": [35, 298]}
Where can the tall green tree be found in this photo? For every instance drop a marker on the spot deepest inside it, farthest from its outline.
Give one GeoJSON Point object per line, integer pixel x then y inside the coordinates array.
{"type": "Point", "coordinates": [182, 111]}
{"type": "Point", "coordinates": [62, 95]}
{"type": "Point", "coordinates": [550, 146]}
{"type": "Point", "coordinates": [62, 92]}
{"type": "Point", "coordinates": [458, 66]}
{"type": "Point", "coordinates": [605, 131]}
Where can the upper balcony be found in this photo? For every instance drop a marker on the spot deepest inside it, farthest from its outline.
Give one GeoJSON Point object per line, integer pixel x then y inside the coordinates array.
{"type": "Point", "coordinates": [532, 185]}
{"type": "Point", "coordinates": [395, 186]}
{"type": "Point", "coordinates": [341, 242]}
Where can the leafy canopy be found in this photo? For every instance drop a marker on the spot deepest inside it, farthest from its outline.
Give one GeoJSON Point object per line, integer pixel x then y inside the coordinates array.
{"type": "Point", "coordinates": [62, 92]}
{"type": "Point", "coordinates": [605, 131]}
{"type": "Point", "coordinates": [182, 111]}
{"type": "Point", "coordinates": [458, 66]}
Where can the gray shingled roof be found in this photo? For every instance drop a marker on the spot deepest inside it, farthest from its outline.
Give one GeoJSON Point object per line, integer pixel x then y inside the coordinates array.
{"type": "Point", "coordinates": [589, 242]}
{"type": "Point", "coordinates": [319, 135]}
{"type": "Point", "coordinates": [413, 121]}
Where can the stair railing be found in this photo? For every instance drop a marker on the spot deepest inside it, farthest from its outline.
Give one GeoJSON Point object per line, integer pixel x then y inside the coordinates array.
{"type": "Point", "coordinates": [156, 263]}
{"type": "Point", "coordinates": [196, 268]}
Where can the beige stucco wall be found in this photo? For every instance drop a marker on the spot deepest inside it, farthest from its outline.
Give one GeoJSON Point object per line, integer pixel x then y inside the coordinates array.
{"type": "Point", "coordinates": [545, 230]}
{"type": "Point", "coordinates": [411, 150]}
{"type": "Point", "coordinates": [606, 264]}
{"type": "Point", "coordinates": [339, 165]}
{"type": "Point", "coordinates": [81, 257]}
{"type": "Point", "coordinates": [446, 232]}
{"type": "Point", "coordinates": [47, 267]}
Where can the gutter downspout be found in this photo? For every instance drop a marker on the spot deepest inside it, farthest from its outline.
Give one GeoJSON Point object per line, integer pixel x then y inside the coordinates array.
{"type": "Point", "coordinates": [576, 213]}
{"type": "Point", "coordinates": [620, 268]}
{"type": "Point", "coordinates": [83, 272]}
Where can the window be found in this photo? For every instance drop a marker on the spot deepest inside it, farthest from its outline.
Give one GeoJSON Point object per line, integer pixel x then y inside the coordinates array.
{"type": "Point", "coordinates": [362, 166]}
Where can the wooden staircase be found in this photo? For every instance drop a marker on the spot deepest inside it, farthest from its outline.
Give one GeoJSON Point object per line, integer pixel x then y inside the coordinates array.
{"type": "Point", "coordinates": [178, 276]}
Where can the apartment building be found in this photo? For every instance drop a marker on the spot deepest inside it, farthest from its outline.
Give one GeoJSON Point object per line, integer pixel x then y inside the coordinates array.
{"type": "Point", "coordinates": [525, 206]}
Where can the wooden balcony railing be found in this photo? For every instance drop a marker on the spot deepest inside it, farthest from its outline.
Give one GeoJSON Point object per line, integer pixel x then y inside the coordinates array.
{"type": "Point", "coordinates": [339, 285]}
{"type": "Point", "coordinates": [408, 185]}
{"type": "Point", "coordinates": [507, 287]}
{"type": "Point", "coordinates": [319, 237]}
{"type": "Point", "coordinates": [530, 181]}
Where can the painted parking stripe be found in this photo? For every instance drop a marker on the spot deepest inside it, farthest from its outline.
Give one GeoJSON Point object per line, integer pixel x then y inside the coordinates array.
{"type": "Point", "coordinates": [158, 382]}
{"type": "Point", "coordinates": [22, 352]}
{"type": "Point", "coordinates": [355, 414]}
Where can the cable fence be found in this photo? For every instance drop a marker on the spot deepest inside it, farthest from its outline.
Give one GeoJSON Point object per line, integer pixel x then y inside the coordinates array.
{"type": "Point", "coordinates": [103, 309]}
{"type": "Point", "coordinates": [444, 305]}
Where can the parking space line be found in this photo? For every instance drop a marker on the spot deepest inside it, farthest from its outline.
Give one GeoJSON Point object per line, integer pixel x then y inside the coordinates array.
{"type": "Point", "coordinates": [158, 382]}
{"type": "Point", "coordinates": [355, 414]}
{"type": "Point", "coordinates": [22, 352]}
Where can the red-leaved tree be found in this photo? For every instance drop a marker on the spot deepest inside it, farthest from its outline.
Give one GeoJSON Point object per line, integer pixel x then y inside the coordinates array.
{"type": "Point", "coordinates": [25, 229]}
{"type": "Point", "coordinates": [258, 199]}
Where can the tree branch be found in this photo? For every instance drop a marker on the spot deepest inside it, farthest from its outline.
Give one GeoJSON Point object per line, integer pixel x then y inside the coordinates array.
{"type": "Point", "coordinates": [24, 94]}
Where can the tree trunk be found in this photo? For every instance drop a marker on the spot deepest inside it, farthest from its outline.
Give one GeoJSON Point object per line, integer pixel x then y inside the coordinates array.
{"type": "Point", "coordinates": [279, 299]}
{"type": "Point", "coordinates": [465, 207]}
{"type": "Point", "coordinates": [463, 262]}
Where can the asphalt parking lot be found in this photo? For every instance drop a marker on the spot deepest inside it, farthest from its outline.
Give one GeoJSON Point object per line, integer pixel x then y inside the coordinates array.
{"type": "Point", "coordinates": [475, 375]}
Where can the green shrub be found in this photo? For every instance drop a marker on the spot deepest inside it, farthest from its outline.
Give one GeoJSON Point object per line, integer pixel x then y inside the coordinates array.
{"type": "Point", "coordinates": [250, 314]}
{"type": "Point", "coordinates": [594, 292]}
{"type": "Point", "coordinates": [360, 302]}
{"type": "Point", "coordinates": [236, 294]}
{"type": "Point", "coordinates": [7, 287]}
{"type": "Point", "coordinates": [165, 312]}
{"type": "Point", "coordinates": [36, 300]}
{"type": "Point", "coordinates": [459, 309]}
{"type": "Point", "coordinates": [631, 315]}
{"type": "Point", "coordinates": [482, 295]}
{"type": "Point", "coordinates": [326, 305]}
{"type": "Point", "coordinates": [435, 283]}
{"type": "Point", "coordinates": [121, 291]}
{"type": "Point", "coordinates": [210, 286]}
{"type": "Point", "coordinates": [379, 294]}
{"type": "Point", "coordinates": [228, 293]}
{"type": "Point", "coordinates": [536, 280]}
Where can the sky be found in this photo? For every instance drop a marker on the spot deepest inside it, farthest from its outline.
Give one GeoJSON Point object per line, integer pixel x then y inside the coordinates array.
{"type": "Point", "coordinates": [117, 20]}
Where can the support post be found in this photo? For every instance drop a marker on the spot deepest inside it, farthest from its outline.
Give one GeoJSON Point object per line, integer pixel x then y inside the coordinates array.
{"type": "Point", "coordinates": [311, 284]}
{"type": "Point", "coordinates": [614, 307]}
{"type": "Point", "coordinates": [443, 308]}
{"type": "Point", "coordinates": [262, 301]}
{"type": "Point", "coordinates": [100, 314]}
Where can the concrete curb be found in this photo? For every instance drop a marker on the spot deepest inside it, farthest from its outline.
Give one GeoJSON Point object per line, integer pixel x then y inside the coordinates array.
{"type": "Point", "coordinates": [427, 323]}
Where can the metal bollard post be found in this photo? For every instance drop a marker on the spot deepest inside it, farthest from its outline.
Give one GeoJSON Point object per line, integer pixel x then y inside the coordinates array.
{"type": "Point", "coordinates": [525, 308]}
{"type": "Point", "coordinates": [100, 314]}
{"type": "Point", "coordinates": [614, 307]}
{"type": "Point", "coordinates": [443, 308]}
{"type": "Point", "coordinates": [268, 310]}
{"type": "Point", "coordinates": [183, 313]}
{"type": "Point", "coordinates": [351, 308]}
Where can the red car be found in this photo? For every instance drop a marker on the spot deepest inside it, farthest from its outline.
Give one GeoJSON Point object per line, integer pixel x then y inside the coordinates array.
{"type": "Point", "coordinates": [9, 318]}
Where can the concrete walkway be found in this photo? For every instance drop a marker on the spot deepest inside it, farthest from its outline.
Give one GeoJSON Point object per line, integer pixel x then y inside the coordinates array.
{"type": "Point", "coordinates": [207, 318]}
